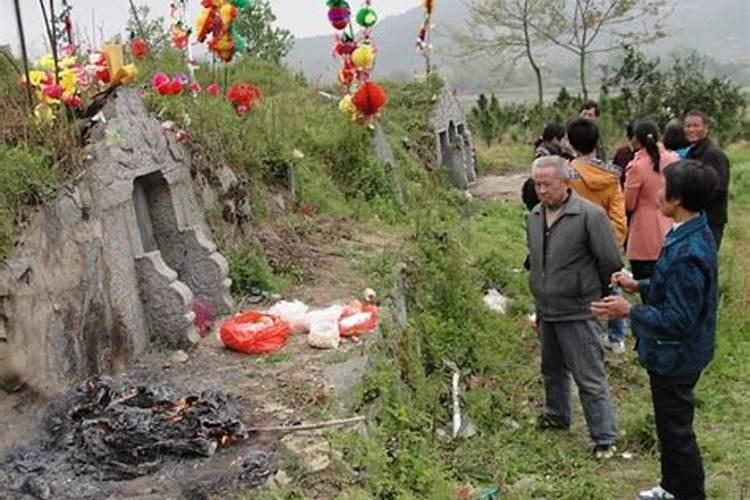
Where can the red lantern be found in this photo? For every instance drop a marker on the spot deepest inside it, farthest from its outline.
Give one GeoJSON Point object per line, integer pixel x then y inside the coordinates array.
{"type": "Point", "coordinates": [139, 48]}
{"type": "Point", "coordinates": [369, 99]}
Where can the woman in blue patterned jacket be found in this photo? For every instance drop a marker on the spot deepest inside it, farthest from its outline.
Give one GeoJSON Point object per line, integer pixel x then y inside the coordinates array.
{"type": "Point", "coordinates": [676, 324]}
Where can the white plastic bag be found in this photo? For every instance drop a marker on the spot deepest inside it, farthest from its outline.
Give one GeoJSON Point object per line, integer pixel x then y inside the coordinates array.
{"type": "Point", "coordinates": [292, 312]}
{"type": "Point", "coordinates": [323, 326]}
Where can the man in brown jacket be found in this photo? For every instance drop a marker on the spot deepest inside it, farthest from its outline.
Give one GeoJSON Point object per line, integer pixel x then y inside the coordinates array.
{"type": "Point", "coordinates": [599, 183]}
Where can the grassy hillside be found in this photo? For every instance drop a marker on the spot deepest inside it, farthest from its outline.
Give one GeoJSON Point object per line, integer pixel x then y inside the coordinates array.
{"type": "Point", "coordinates": [454, 249]}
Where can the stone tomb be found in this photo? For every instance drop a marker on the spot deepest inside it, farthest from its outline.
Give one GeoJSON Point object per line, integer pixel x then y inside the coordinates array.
{"type": "Point", "coordinates": [455, 149]}
{"type": "Point", "coordinates": [117, 261]}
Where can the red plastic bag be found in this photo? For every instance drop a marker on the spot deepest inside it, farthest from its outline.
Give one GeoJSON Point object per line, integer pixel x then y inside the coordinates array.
{"type": "Point", "coordinates": [253, 332]}
{"type": "Point", "coordinates": [357, 319]}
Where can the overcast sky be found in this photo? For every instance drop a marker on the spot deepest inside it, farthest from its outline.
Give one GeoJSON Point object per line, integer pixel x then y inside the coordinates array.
{"type": "Point", "coordinates": [302, 17]}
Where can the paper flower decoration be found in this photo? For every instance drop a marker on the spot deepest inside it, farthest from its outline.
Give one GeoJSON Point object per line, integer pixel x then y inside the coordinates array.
{"type": "Point", "coordinates": [139, 48]}
{"type": "Point", "coordinates": [213, 89]}
{"type": "Point", "coordinates": [217, 20]}
{"type": "Point", "coordinates": [243, 96]}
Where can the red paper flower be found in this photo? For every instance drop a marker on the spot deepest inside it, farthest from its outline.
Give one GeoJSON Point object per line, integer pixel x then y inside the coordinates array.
{"type": "Point", "coordinates": [159, 79]}
{"type": "Point", "coordinates": [369, 99]}
{"type": "Point", "coordinates": [243, 96]}
{"type": "Point", "coordinates": [213, 89]}
{"type": "Point", "coordinates": [175, 87]}
{"type": "Point", "coordinates": [139, 48]}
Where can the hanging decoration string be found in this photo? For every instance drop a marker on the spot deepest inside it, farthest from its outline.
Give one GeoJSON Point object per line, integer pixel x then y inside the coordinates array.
{"type": "Point", "coordinates": [362, 98]}
{"type": "Point", "coordinates": [424, 42]}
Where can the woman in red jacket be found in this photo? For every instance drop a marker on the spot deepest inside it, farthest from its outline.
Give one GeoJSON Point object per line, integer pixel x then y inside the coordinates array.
{"type": "Point", "coordinates": [643, 180]}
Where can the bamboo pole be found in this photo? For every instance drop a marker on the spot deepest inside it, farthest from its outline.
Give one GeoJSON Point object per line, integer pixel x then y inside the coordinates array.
{"type": "Point", "coordinates": [307, 427]}
{"type": "Point", "coordinates": [54, 39]}
{"type": "Point", "coordinates": [141, 33]}
{"type": "Point", "coordinates": [24, 53]}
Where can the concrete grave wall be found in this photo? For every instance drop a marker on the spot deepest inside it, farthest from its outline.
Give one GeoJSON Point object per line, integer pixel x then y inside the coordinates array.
{"type": "Point", "coordinates": [453, 142]}
{"type": "Point", "coordinates": [116, 262]}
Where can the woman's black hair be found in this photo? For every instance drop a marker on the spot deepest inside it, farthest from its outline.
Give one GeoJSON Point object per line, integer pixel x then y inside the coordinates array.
{"type": "Point", "coordinates": [674, 136]}
{"type": "Point", "coordinates": [691, 182]}
{"type": "Point", "coordinates": [551, 132]}
{"type": "Point", "coordinates": [647, 133]}
{"type": "Point", "coordinates": [629, 129]}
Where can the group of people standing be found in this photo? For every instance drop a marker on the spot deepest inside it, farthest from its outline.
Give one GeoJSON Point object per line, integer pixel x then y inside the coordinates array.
{"type": "Point", "coordinates": [662, 202]}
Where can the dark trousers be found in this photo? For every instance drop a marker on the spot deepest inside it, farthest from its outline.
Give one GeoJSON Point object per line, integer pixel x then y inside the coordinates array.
{"type": "Point", "coordinates": [718, 232]}
{"type": "Point", "coordinates": [681, 464]}
{"type": "Point", "coordinates": [642, 269]}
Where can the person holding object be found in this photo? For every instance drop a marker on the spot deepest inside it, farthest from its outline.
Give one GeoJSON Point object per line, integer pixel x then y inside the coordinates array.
{"type": "Point", "coordinates": [676, 324]}
{"type": "Point", "coordinates": [573, 253]}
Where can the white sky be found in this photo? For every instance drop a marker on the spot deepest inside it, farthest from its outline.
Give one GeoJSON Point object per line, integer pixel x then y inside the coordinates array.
{"type": "Point", "coordinates": [302, 17]}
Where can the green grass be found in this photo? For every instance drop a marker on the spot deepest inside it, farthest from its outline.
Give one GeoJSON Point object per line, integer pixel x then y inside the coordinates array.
{"type": "Point", "coordinates": [460, 249]}
{"type": "Point", "coordinates": [26, 177]}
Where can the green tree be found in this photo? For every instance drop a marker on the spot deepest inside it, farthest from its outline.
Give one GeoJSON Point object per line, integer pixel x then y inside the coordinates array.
{"type": "Point", "coordinates": [152, 30]}
{"type": "Point", "coordinates": [263, 39]}
{"type": "Point", "coordinates": [650, 87]}
{"type": "Point", "coordinates": [510, 30]}
{"type": "Point", "coordinates": [485, 118]}
{"type": "Point", "coordinates": [588, 27]}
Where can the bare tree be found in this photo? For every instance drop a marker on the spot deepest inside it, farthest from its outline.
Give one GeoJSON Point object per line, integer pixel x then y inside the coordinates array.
{"type": "Point", "coordinates": [586, 27]}
{"type": "Point", "coordinates": [507, 29]}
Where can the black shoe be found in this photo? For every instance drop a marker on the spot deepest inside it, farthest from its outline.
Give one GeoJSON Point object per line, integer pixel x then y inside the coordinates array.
{"type": "Point", "coordinates": [548, 422]}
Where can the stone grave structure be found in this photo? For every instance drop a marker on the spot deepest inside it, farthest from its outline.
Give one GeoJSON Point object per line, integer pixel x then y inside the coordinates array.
{"type": "Point", "coordinates": [116, 262]}
{"type": "Point", "coordinates": [453, 142]}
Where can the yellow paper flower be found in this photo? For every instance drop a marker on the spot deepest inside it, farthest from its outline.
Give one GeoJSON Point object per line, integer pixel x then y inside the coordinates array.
{"type": "Point", "coordinates": [43, 113]}
{"type": "Point", "coordinates": [46, 62]}
{"type": "Point", "coordinates": [68, 82]}
{"type": "Point", "coordinates": [36, 77]}
{"type": "Point", "coordinates": [347, 107]}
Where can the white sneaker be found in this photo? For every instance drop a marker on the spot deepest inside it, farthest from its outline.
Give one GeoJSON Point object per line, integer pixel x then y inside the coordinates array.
{"type": "Point", "coordinates": [615, 347]}
{"type": "Point", "coordinates": [657, 493]}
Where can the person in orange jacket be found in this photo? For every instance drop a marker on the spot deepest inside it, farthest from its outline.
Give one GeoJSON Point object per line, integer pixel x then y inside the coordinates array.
{"type": "Point", "coordinates": [595, 180]}
{"type": "Point", "coordinates": [599, 183]}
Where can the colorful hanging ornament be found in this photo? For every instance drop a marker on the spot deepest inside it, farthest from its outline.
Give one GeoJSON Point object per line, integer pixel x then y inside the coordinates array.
{"type": "Point", "coordinates": [423, 36]}
{"type": "Point", "coordinates": [370, 99]}
{"type": "Point", "coordinates": [217, 20]}
{"type": "Point", "coordinates": [367, 17]}
{"type": "Point", "coordinates": [364, 57]}
{"type": "Point", "coordinates": [179, 31]}
{"type": "Point", "coordinates": [339, 14]}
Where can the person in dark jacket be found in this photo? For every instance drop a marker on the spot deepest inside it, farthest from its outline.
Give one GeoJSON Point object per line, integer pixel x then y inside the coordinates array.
{"type": "Point", "coordinates": [704, 150]}
{"type": "Point", "coordinates": [573, 253]}
{"type": "Point", "coordinates": [549, 144]}
{"type": "Point", "coordinates": [676, 325]}
{"type": "Point", "coordinates": [590, 110]}
{"type": "Point", "coordinates": [674, 139]}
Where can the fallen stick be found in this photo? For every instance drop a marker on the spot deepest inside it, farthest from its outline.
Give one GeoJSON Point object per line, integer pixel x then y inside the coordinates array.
{"type": "Point", "coordinates": [307, 427]}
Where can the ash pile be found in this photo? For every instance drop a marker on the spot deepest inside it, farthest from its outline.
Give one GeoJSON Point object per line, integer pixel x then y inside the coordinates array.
{"type": "Point", "coordinates": [112, 430]}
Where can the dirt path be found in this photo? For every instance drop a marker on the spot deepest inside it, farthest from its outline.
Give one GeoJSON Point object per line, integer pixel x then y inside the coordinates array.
{"type": "Point", "coordinates": [505, 187]}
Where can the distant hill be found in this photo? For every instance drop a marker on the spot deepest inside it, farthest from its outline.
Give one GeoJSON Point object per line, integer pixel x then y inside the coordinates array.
{"type": "Point", "coordinates": [718, 29]}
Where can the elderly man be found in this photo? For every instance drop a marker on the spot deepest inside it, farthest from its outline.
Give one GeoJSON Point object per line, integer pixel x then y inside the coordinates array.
{"type": "Point", "coordinates": [704, 150]}
{"type": "Point", "coordinates": [573, 253]}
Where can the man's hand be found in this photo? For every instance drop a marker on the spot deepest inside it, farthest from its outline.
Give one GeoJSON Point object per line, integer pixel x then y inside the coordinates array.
{"type": "Point", "coordinates": [611, 308]}
{"type": "Point", "coordinates": [625, 280]}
